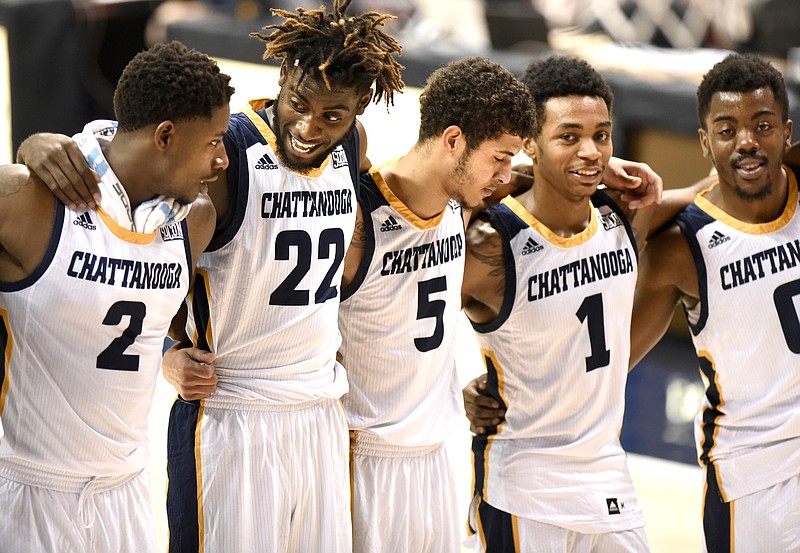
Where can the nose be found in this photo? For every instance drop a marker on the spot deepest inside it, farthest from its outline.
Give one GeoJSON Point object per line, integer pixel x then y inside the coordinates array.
{"type": "Point", "coordinates": [747, 141]}
{"type": "Point", "coordinates": [588, 150]}
{"type": "Point", "coordinates": [307, 128]}
{"type": "Point", "coordinates": [503, 176]}
{"type": "Point", "coordinates": [221, 158]}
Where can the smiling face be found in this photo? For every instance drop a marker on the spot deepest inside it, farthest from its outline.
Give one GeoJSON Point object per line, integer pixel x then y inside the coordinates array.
{"type": "Point", "coordinates": [196, 156]}
{"type": "Point", "coordinates": [572, 151]}
{"type": "Point", "coordinates": [310, 120]}
{"type": "Point", "coordinates": [745, 136]}
{"type": "Point", "coordinates": [480, 171]}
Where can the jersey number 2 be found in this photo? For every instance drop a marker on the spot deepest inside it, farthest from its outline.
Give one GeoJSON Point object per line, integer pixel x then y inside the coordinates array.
{"type": "Point", "coordinates": [591, 311]}
{"type": "Point", "coordinates": [114, 358]}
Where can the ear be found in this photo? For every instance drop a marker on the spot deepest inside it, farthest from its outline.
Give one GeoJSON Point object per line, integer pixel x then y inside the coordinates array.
{"type": "Point", "coordinates": [284, 71]}
{"type": "Point", "coordinates": [787, 133]}
{"type": "Point", "coordinates": [529, 147]}
{"type": "Point", "coordinates": [703, 134]}
{"type": "Point", "coordinates": [164, 135]}
{"type": "Point", "coordinates": [363, 102]}
{"type": "Point", "coordinates": [453, 140]}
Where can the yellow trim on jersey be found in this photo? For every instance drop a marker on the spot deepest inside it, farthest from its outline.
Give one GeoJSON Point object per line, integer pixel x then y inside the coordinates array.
{"type": "Point", "coordinates": [706, 355]}
{"type": "Point", "coordinates": [123, 233]}
{"type": "Point", "coordinates": [6, 358]}
{"type": "Point", "coordinates": [209, 333]}
{"type": "Point", "coordinates": [272, 140]}
{"type": "Point", "coordinates": [501, 381]}
{"type": "Point", "coordinates": [581, 238]}
{"type": "Point", "coordinates": [199, 475]}
{"type": "Point", "coordinates": [398, 205]}
{"type": "Point", "coordinates": [753, 228]}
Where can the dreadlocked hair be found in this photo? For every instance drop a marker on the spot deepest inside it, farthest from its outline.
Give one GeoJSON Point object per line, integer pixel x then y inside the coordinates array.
{"type": "Point", "coordinates": [342, 51]}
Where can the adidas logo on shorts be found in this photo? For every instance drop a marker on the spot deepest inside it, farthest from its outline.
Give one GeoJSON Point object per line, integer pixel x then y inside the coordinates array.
{"type": "Point", "coordinates": [266, 163]}
{"type": "Point", "coordinates": [390, 224]}
{"type": "Point", "coordinates": [716, 239]}
{"type": "Point", "coordinates": [531, 246]}
{"type": "Point", "coordinates": [85, 221]}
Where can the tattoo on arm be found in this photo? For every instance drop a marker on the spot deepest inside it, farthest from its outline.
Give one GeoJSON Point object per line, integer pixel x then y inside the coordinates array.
{"type": "Point", "coordinates": [497, 269]}
{"type": "Point", "coordinates": [359, 239]}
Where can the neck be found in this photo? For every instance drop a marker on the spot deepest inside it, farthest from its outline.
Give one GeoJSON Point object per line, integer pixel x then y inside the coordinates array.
{"type": "Point", "coordinates": [565, 217]}
{"type": "Point", "coordinates": [418, 183]}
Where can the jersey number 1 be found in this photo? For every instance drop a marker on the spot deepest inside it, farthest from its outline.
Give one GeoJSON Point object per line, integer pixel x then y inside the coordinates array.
{"type": "Point", "coordinates": [591, 311]}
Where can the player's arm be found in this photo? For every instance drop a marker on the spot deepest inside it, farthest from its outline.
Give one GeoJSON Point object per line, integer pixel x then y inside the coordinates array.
{"type": "Point", "coordinates": [59, 163]}
{"type": "Point", "coordinates": [191, 370]}
{"type": "Point", "coordinates": [356, 249]}
{"type": "Point", "coordinates": [482, 295]}
{"type": "Point", "coordinates": [667, 276]}
{"type": "Point", "coordinates": [26, 221]}
{"type": "Point", "coordinates": [638, 184]}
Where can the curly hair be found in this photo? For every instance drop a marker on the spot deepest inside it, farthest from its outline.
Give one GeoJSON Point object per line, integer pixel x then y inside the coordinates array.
{"type": "Point", "coordinates": [741, 73]}
{"type": "Point", "coordinates": [481, 97]}
{"type": "Point", "coordinates": [169, 82]}
{"type": "Point", "coordinates": [342, 51]}
{"type": "Point", "coordinates": [559, 76]}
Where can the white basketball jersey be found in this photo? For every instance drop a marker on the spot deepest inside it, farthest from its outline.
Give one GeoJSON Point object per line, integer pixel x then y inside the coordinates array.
{"type": "Point", "coordinates": [398, 319]}
{"type": "Point", "coordinates": [746, 332]}
{"type": "Point", "coordinates": [266, 295]}
{"type": "Point", "coordinates": [83, 336]}
{"type": "Point", "coordinates": [557, 359]}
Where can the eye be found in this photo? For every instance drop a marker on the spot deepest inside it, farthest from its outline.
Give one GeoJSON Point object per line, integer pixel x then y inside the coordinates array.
{"type": "Point", "coordinates": [764, 126]}
{"type": "Point", "coordinates": [216, 142]}
{"type": "Point", "coordinates": [295, 105]}
{"type": "Point", "coordinates": [567, 137]}
{"type": "Point", "coordinates": [726, 133]}
{"type": "Point", "coordinates": [602, 136]}
{"type": "Point", "coordinates": [333, 117]}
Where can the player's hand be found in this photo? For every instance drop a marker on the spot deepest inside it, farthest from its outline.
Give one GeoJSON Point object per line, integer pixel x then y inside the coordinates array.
{"type": "Point", "coordinates": [482, 410]}
{"type": "Point", "coordinates": [191, 371]}
{"type": "Point", "coordinates": [639, 184]}
{"type": "Point", "coordinates": [57, 160]}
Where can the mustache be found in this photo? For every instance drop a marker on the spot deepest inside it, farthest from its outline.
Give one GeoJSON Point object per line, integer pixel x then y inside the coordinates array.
{"type": "Point", "coordinates": [749, 157]}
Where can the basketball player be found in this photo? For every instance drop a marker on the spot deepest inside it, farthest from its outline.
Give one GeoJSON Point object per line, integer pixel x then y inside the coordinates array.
{"type": "Point", "coordinates": [548, 286]}
{"type": "Point", "coordinates": [401, 302]}
{"type": "Point", "coordinates": [86, 299]}
{"type": "Point", "coordinates": [261, 465]}
{"type": "Point", "coordinates": [732, 261]}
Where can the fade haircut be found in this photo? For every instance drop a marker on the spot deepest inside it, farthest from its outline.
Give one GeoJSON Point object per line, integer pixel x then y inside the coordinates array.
{"type": "Point", "coordinates": [484, 99]}
{"type": "Point", "coordinates": [741, 73]}
{"type": "Point", "coordinates": [342, 51]}
{"type": "Point", "coordinates": [169, 82]}
{"type": "Point", "coordinates": [560, 76]}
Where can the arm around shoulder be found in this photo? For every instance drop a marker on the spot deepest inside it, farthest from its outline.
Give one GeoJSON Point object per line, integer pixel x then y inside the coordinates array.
{"type": "Point", "coordinates": [667, 276]}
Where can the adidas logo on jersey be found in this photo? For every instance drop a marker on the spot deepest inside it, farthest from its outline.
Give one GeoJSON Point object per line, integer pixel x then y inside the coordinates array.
{"type": "Point", "coordinates": [85, 221]}
{"type": "Point", "coordinates": [716, 239]}
{"type": "Point", "coordinates": [615, 506]}
{"type": "Point", "coordinates": [531, 246]}
{"type": "Point", "coordinates": [390, 224]}
{"type": "Point", "coordinates": [266, 163]}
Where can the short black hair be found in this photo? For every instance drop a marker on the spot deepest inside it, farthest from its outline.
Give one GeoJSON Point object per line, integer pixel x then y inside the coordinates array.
{"type": "Point", "coordinates": [741, 73]}
{"type": "Point", "coordinates": [560, 76]}
{"type": "Point", "coordinates": [169, 82]}
{"type": "Point", "coordinates": [480, 96]}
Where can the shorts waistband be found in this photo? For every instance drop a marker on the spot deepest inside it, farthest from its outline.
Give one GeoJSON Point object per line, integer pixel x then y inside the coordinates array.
{"type": "Point", "coordinates": [236, 404]}
{"type": "Point", "coordinates": [364, 443]}
{"type": "Point", "coordinates": [40, 477]}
